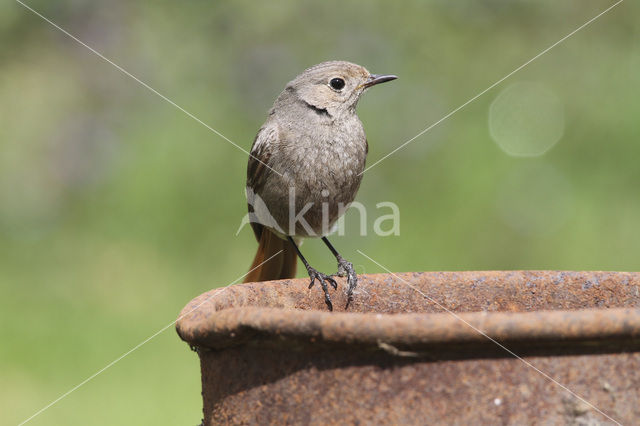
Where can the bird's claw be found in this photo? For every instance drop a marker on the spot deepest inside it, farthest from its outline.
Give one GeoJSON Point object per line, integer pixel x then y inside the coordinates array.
{"type": "Point", "coordinates": [323, 279]}
{"type": "Point", "coordinates": [345, 268]}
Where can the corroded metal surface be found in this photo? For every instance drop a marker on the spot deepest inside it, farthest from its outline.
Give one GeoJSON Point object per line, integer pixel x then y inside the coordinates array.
{"type": "Point", "coordinates": [271, 353]}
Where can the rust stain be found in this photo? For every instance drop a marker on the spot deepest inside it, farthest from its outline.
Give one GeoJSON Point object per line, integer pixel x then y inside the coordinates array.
{"type": "Point", "coordinates": [271, 353]}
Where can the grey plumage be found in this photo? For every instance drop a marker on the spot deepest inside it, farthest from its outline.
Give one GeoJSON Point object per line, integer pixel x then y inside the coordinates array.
{"type": "Point", "coordinates": [316, 143]}
{"type": "Point", "coordinates": [315, 139]}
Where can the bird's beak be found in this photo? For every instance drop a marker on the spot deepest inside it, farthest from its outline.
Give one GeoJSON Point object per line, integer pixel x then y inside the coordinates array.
{"type": "Point", "coordinates": [377, 79]}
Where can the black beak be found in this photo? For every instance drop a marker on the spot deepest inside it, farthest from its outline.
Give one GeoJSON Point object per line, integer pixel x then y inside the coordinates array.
{"type": "Point", "coordinates": [378, 78]}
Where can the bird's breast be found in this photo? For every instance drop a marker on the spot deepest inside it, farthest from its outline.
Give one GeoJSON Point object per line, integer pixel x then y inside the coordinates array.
{"type": "Point", "coordinates": [321, 173]}
{"type": "Point", "coordinates": [329, 160]}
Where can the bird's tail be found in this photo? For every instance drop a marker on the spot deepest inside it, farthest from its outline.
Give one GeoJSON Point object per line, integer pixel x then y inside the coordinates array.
{"type": "Point", "coordinates": [281, 266]}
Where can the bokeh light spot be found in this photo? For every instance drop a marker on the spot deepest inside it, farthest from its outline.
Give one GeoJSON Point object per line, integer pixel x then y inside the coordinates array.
{"type": "Point", "coordinates": [526, 119]}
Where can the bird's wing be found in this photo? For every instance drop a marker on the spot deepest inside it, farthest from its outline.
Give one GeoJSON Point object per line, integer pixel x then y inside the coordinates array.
{"type": "Point", "coordinates": [259, 168]}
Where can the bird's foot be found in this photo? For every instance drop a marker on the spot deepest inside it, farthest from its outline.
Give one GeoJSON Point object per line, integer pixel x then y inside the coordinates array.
{"type": "Point", "coordinates": [346, 269]}
{"type": "Point", "coordinates": [323, 279]}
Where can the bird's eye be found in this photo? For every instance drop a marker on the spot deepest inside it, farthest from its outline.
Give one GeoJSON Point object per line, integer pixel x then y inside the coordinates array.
{"type": "Point", "coordinates": [336, 83]}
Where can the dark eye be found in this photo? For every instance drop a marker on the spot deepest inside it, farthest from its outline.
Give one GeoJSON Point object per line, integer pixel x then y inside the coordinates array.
{"type": "Point", "coordinates": [336, 83]}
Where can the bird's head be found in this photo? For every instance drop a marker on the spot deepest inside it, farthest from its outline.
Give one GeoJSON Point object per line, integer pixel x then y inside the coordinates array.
{"type": "Point", "coordinates": [334, 87]}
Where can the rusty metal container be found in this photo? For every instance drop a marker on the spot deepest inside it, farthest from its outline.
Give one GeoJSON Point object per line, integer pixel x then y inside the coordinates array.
{"type": "Point", "coordinates": [520, 347]}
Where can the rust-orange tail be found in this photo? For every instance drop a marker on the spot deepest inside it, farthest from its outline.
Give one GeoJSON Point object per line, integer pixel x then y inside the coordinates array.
{"type": "Point", "coordinates": [281, 266]}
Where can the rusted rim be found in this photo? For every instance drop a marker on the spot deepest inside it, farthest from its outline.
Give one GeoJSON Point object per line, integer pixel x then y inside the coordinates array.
{"type": "Point", "coordinates": [545, 306]}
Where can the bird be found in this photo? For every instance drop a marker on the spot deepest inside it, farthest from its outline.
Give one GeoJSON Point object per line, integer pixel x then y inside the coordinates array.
{"type": "Point", "coordinates": [305, 167]}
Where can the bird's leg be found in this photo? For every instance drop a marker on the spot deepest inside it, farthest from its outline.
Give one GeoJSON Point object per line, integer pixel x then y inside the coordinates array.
{"type": "Point", "coordinates": [345, 268]}
{"type": "Point", "coordinates": [323, 279]}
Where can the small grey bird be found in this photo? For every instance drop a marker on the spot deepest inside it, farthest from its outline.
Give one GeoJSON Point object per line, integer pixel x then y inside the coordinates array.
{"type": "Point", "coordinates": [305, 168]}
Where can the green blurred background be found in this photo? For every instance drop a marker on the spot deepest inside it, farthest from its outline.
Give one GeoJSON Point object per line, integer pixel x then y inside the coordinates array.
{"type": "Point", "coordinates": [116, 208]}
